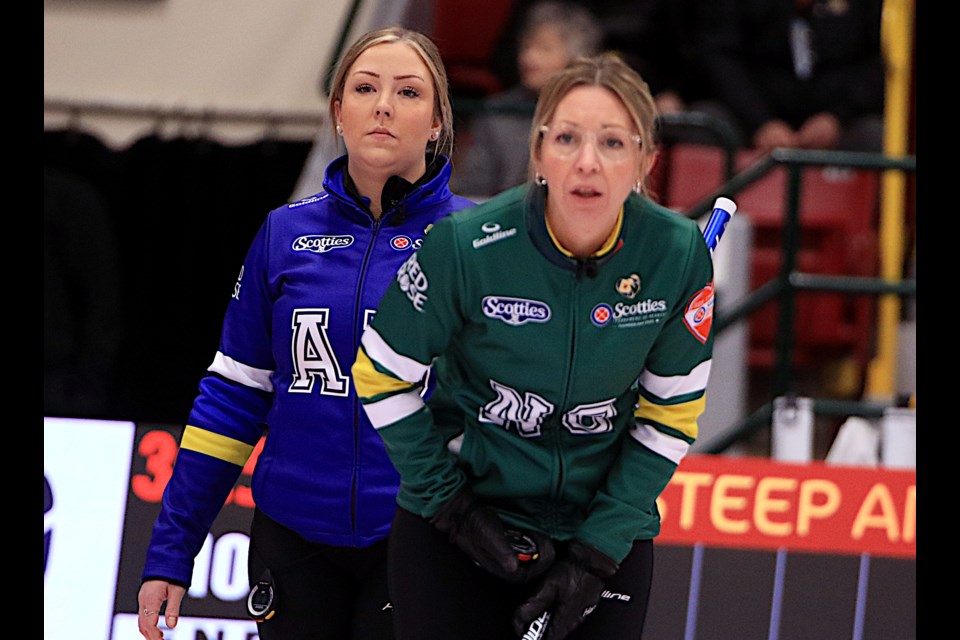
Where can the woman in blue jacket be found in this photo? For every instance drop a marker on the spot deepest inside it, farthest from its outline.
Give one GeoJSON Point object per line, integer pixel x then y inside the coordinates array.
{"type": "Point", "coordinates": [324, 488]}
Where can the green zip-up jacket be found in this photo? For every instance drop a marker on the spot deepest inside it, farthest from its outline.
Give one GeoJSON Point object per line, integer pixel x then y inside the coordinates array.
{"type": "Point", "coordinates": [567, 390]}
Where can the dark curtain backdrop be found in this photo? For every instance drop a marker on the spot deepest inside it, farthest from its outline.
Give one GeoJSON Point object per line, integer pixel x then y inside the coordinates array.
{"type": "Point", "coordinates": [180, 215]}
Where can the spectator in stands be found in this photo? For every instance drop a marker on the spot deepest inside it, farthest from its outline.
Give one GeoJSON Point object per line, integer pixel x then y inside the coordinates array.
{"type": "Point", "coordinates": [661, 44]}
{"type": "Point", "coordinates": [658, 38]}
{"type": "Point", "coordinates": [798, 73]}
{"type": "Point", "coordinates": [553, 33]}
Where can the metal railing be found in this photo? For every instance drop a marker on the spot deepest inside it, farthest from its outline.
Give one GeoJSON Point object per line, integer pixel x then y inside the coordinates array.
{"type": "Point", "coordinates": [784, 287]}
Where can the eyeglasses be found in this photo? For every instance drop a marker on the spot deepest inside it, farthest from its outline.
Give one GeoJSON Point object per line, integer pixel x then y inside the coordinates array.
{"type": "Point", "coordinates": [614, 144]}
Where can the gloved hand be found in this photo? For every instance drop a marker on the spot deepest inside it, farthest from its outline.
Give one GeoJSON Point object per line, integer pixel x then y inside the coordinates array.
{"type": "Point", "coordinates": [570, 591]}
{"type": "Point", "coordinates": [479, 532]}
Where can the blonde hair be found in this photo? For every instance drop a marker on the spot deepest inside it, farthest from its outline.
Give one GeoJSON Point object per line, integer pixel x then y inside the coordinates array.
{"type": "Point", "coordinates": [610, 71]}
{"type": "Point", "coordinates": [428, 52]}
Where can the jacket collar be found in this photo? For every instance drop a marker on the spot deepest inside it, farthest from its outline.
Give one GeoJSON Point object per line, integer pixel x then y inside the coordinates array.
{"type": "Point", "coordinates": [535, 204]}
{"type": "Point", "coordinates": [399, 196]}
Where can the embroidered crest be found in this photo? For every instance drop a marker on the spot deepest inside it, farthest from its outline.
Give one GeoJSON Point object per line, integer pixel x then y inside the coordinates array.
{"type": "Point", "coordinates": [698, 316]}
{"type": "Point", "coordinates": [629, 286]}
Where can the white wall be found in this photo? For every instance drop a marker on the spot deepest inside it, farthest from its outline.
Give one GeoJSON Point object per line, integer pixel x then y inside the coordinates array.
{"type": "Point", "coordinates": [241, 56]}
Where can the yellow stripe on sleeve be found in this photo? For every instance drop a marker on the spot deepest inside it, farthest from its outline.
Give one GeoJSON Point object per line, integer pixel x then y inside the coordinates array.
{"type": "Point", "coordinates": [682, 417]}
{"type": "Point", "coordinates": [216, 445]}
{"type": "Point", "coordinates": [369, 382]}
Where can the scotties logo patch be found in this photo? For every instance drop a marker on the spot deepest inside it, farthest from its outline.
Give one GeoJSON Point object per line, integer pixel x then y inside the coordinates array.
{"type": "Point", "coordinates": [698, 316]}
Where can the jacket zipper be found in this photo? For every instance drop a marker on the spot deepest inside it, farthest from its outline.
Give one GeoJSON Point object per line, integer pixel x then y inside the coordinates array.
{"type": "Point", "coordinates": [571, 360]}
{"type": "Point", "coordinates": [358, 312]}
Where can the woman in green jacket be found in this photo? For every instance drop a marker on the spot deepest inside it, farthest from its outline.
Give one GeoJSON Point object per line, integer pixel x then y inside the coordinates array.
{"type": "Point", "coordinates": [567, 322]}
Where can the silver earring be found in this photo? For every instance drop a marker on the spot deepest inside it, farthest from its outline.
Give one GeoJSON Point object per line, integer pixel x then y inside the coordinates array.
{"type": "Point", "coordinates": [638, 187]}
{"type": "Point", "coordinates": [339, 129]}
{"type": "Point", "coordinates": [434, 135]}
{"type": "Point", "coordinates": [539, 179]}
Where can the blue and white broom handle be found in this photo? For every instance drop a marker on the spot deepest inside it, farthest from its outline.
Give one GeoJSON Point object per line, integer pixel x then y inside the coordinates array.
{"type": "Point", "coordinates": [723, 210]}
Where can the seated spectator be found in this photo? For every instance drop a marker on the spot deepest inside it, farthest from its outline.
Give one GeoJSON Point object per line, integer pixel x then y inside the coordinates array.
{"type": "Point", "coordinates": [658, 38]}
{"type": "Point", "coordinates": [553, 33]}
{"type": "Point", "coordinates": [803, 74]}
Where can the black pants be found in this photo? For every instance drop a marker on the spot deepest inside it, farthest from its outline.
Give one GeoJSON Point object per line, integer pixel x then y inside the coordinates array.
{"type": "Point", "coordinates": [439, 594]}
{"type": "Point", "coordinates": [323, 592]}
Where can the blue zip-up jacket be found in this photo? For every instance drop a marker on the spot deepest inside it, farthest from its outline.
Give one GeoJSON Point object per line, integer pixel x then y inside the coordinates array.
{"type": "Point", "coordinates": [309, 286]}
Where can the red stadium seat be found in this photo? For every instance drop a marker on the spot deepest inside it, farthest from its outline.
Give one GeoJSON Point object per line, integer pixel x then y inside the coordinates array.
{"type": "Point", "coordinates": [466, 32]}
{"type": "Point", "coordinates": [689, 173]}
{"type": "Point", "coordinates": [837, 217]}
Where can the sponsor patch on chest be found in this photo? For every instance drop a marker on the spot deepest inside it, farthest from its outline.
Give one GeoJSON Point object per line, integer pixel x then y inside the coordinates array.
{"type": "Point", "coordinates": [321, 243]}
{"type": "Point", "coordinates": [629, 315]}
{"type": "Point", "coordinates": [405, 243]}
{"type": "Point", "coordinates": [515, 311]}
{"type": "Point", "coordinates": [492, 233]}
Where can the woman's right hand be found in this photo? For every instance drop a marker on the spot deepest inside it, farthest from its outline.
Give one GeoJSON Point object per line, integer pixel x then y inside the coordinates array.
{"type": "Point", "coordinates": [153, 593]}
{"type": "Point", "coordinates": [480, 533]}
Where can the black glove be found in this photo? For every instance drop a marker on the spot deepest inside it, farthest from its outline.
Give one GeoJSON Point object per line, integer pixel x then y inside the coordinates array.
{"type": "Point", "coordinates": [479, 532]}
{"type": "Point", "coordinates": [569, 592]}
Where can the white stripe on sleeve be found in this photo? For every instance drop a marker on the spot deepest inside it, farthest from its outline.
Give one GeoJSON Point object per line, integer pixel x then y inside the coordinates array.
{"type": "Point", "coordinates": [672, 386]}
{"type": "Point", "coordinates": [385, 412]}
{"type": "Point", "coordinates": [673, 449]}
{"type": "Point", "coordinates": [381, 353]}
{"type": "Point", "coordinates": [238, 372]}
